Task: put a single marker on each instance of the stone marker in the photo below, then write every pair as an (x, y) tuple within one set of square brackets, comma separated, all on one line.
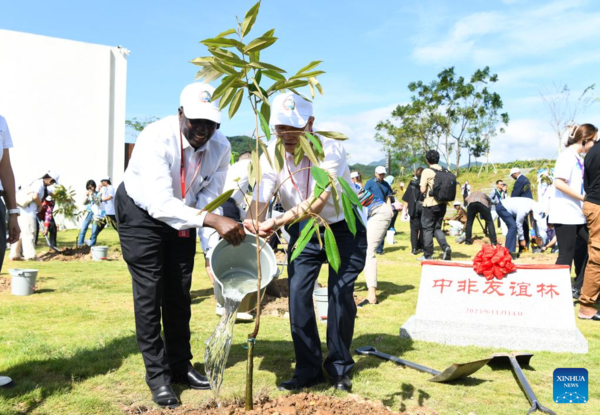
[(530, 309)]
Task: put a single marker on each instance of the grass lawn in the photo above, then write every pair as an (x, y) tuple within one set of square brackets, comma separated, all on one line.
[(71, 346)]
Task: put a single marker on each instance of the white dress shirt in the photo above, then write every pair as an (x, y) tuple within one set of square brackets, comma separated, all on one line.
[(237, 178), (152, 178), (108, 205), (37, 187), (291, 195), (519, 208), (5, 139)]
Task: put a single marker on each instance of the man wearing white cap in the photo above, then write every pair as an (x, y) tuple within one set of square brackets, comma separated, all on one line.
[(381, 189), (30, 201), (178, 166), (291, 115), (514, 212), (522, 186)]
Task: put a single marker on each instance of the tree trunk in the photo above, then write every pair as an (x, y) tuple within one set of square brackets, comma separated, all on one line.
[(458, 147)]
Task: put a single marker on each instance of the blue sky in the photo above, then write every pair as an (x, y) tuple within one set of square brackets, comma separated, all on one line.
[(371, 51)]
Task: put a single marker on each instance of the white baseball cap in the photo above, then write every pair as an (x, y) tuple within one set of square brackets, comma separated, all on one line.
[(514, 170), (380, 170), (54, 175), (196, 100), (105, 178), (354, 174), (290, 109), (457, 202)]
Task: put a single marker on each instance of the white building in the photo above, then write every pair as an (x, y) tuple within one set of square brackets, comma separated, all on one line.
[(64, 102)]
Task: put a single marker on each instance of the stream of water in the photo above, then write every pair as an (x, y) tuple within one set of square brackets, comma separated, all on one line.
[(236, 284)]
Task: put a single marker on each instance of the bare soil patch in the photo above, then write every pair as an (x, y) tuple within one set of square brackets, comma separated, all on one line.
[(4, 284), (74, 253), (298, 404)]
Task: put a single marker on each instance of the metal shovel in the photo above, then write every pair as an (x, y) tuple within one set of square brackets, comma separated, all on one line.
[(516, 360), (46, 237), (456, 371)]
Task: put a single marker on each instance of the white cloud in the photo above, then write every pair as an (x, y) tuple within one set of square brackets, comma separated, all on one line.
[(360, 129), (493, 38), (524, 139)]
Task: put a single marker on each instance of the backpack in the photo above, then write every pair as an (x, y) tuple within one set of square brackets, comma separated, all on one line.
[(444, 186)]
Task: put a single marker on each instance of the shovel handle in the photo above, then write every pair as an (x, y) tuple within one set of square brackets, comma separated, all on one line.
[(535, 404), (371, 351)]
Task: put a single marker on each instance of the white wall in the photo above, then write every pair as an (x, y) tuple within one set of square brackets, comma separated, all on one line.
[(64, 102)]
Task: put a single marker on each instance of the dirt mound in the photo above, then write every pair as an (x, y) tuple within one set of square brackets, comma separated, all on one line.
[(299, 404), (68, 254), (4, 284), (275, 302)]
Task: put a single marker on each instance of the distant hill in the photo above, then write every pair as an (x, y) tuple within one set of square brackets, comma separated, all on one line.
[(241, 143)]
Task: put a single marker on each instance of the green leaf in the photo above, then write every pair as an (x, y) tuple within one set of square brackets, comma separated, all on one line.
[(226, 33), (297, 83), (257, 90), (235, 103), (349, 214), (304, 238), (254, 56), (336, 199), (304, 143), (310, 66), (218, 201), (224, 69), (316, 142), (227, 82), (274, 75), (264, 126), (312, 90), (263, 146), (318, 192), (332, 134), (263, 65), (227, 97), (259, 43), (256, 162), (298, 155), (279, 155), (333, 255), (307, 75), (265, 110), (208, 74), (320, 176), (316, 83), (318, 232), (220, 42), (250, 19), (203, 61), (347, 190)]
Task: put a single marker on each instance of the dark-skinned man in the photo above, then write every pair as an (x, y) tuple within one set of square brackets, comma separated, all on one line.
[(291, 115), (178, 166)]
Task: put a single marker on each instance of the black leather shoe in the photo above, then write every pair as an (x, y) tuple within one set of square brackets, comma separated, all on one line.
[(165, 397), (193, 379), (342, 383), (295, 383), (576, 293), (414, 252), (595, 317)]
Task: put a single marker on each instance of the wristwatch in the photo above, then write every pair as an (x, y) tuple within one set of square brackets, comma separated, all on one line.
[(14, 212)]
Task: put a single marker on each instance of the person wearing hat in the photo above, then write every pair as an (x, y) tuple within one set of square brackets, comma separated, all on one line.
[(291, 116), (381, 189), (515, 211), (30, 201), (459, 220), (522, 186), (107, 195), (178, 166)]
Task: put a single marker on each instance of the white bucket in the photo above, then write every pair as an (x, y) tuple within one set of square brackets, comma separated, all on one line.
[(23, 281), (226, 259), (99, 253), (321, 297), (389, 237)]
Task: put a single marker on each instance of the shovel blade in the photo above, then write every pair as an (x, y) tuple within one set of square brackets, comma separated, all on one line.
[(459, 370), (503, 359)]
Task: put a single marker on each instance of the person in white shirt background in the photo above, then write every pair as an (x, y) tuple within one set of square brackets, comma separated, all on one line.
[(7, 191), (178, 166), (291, 115), (31, 200), (566, 205)]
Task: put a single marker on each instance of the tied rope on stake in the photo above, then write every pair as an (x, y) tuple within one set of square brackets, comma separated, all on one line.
[(493, 262)]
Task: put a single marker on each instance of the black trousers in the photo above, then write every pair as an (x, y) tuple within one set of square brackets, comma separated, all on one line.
[(431, 221), (302, 274), (3, 220), (416, 233), (486, 214), (161, 264), (568, 237)]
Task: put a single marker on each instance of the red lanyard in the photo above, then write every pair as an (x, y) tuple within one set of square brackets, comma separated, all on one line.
[(182, 171), (294, 182)]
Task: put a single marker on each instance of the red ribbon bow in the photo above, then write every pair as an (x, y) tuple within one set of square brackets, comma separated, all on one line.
[(493, 262)]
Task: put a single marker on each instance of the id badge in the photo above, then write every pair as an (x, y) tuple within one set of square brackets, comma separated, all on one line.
[(184, 233)]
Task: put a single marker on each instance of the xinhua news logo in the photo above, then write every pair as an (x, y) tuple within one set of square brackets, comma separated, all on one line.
[(571, 385)]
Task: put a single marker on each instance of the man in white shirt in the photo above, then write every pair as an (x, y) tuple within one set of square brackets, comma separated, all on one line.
[(178, 166), (31, 201), (291, 115), (514, 212), (107, 194)]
